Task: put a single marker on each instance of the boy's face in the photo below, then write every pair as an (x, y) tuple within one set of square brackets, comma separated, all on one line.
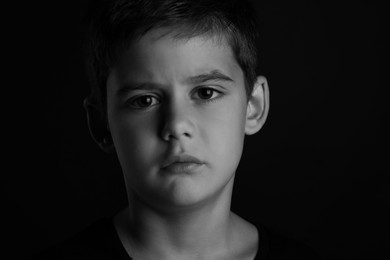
[(168, 99)]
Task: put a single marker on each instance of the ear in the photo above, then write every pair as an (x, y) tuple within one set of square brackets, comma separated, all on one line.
[(98, 126), (258, 106)]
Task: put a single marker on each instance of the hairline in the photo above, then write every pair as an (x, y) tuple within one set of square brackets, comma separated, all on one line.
[(178, 33)]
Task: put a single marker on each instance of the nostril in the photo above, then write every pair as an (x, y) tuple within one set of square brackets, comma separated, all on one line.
[(177, 124), (170, 132), (175, 136)]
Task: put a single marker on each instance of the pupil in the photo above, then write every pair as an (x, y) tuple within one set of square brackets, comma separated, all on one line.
[(145, 101), (206, 93)]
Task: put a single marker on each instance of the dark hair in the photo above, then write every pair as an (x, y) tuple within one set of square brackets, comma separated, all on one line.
[(114, 24)]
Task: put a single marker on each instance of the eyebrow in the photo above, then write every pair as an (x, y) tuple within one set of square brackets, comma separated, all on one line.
[(214, 75), (130, 87)]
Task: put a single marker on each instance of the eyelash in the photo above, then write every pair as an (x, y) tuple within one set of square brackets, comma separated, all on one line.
[(133, 100), (214, 91)]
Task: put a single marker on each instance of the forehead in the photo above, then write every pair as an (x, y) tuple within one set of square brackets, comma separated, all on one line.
[(161, 56)]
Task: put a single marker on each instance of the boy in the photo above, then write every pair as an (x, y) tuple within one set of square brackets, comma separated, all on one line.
[(174, 91)]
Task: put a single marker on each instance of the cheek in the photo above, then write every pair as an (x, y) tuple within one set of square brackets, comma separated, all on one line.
[(225, 130), (133, 140)]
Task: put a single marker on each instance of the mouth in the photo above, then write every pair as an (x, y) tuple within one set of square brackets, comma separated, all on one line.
[(182, 164)]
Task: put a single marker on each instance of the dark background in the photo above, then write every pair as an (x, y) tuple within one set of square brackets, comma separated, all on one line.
[(317, 171)]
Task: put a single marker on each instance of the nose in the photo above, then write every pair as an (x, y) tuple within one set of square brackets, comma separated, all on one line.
[(177, 121)]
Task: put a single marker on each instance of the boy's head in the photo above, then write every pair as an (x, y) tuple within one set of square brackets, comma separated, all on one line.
[(177, 86), (115, 24)]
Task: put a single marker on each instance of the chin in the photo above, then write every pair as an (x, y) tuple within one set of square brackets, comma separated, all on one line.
[(184, 192), (180, 192), (188, 196)]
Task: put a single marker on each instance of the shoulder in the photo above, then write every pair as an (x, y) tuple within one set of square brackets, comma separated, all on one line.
[(97, 241), (275, 246)]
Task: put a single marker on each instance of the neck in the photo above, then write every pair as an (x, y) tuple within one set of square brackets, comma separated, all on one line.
[(198, 230)]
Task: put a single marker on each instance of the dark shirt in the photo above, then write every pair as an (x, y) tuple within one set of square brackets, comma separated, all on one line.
[(101, 241)]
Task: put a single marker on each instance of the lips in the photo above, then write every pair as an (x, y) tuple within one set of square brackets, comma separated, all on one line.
[(182, 164)]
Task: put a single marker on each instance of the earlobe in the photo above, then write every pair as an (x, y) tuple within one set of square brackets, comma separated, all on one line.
[(98, 126), (258, 106)]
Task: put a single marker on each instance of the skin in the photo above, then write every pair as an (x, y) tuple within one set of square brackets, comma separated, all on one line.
[(168, 97)]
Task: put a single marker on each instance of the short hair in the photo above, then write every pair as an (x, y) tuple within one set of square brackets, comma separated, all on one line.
[(114, 24)]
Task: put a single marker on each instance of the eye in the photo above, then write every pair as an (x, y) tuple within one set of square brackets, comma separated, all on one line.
[(144, 101), (207, 93)]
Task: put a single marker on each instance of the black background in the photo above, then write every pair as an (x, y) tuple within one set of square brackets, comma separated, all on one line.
[(317, 170)]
